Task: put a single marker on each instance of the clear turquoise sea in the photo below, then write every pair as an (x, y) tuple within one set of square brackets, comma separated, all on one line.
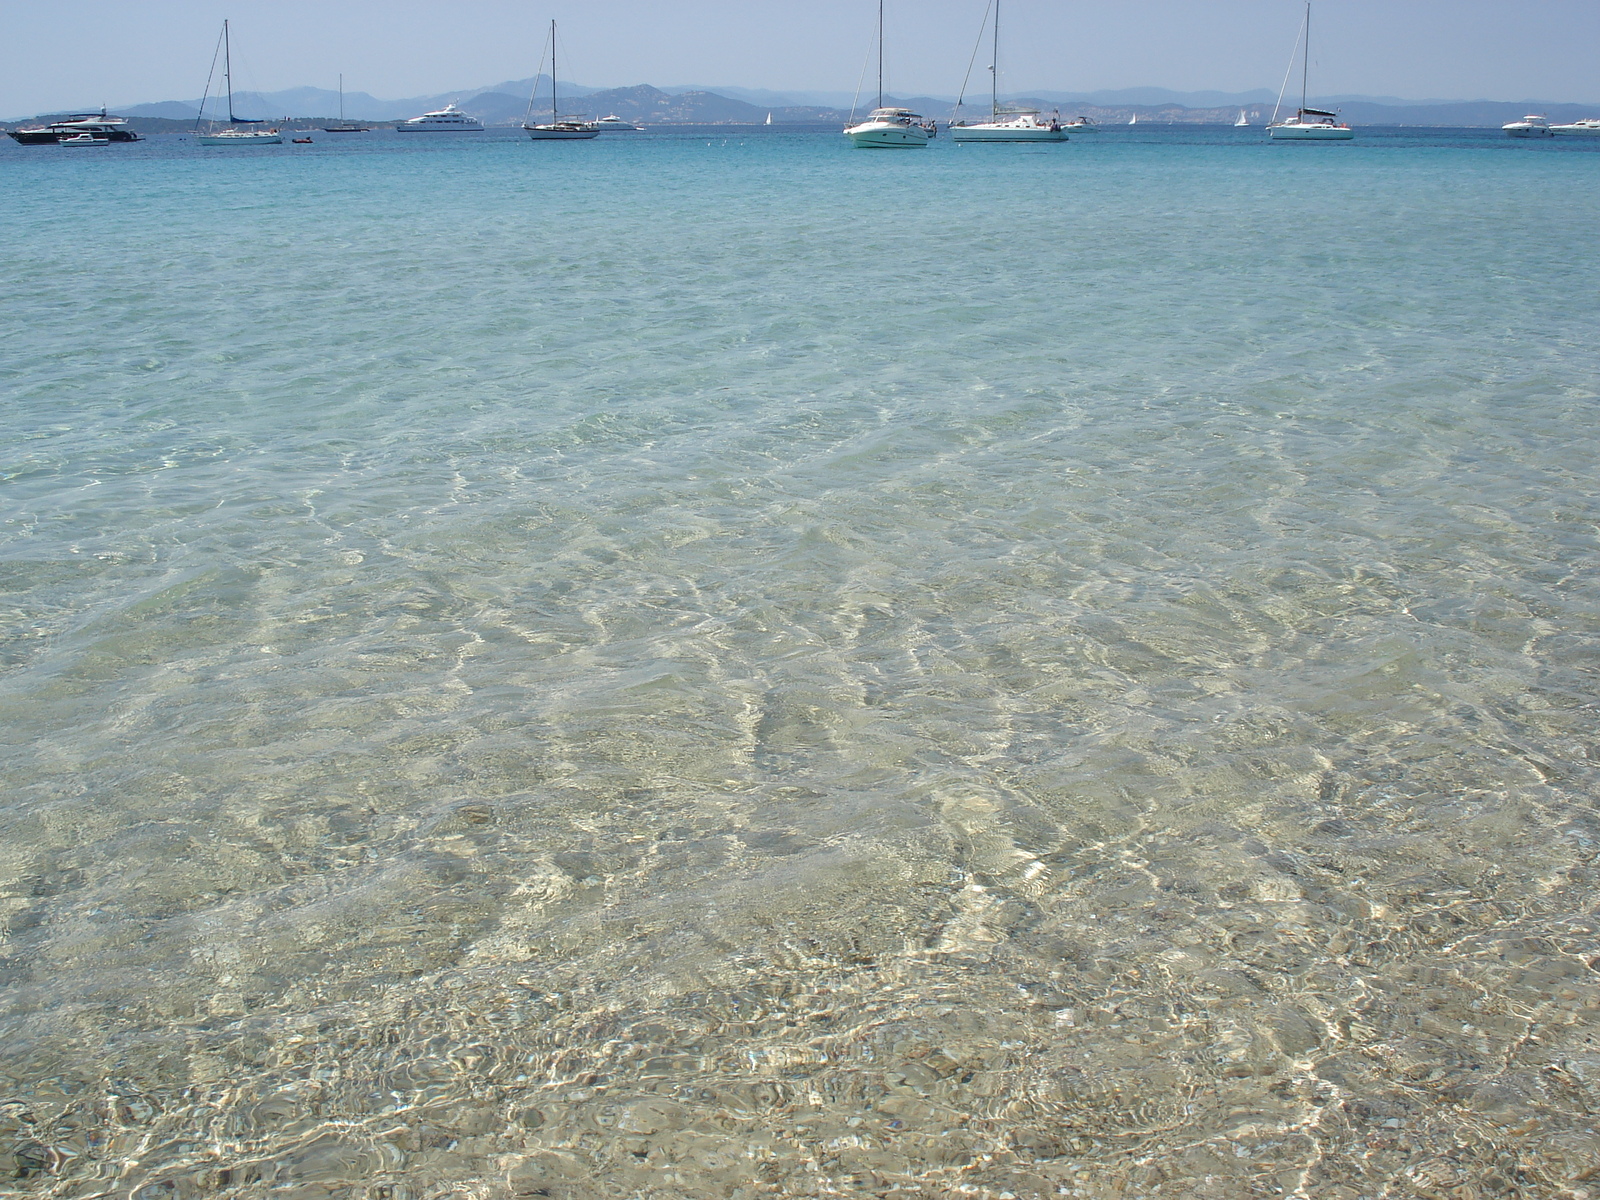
[(713, 664)]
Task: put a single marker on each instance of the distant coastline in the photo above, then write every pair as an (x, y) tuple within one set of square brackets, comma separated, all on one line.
[(507, 104)]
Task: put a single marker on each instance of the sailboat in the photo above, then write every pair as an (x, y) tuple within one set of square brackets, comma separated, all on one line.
[(1133, 120), (769, 118), (1308, 124), (1242, 121), (887, 128), (1013, 125), (557, 130), (232, 136), (342, 127)]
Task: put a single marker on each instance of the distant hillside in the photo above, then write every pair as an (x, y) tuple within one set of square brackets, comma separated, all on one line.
[(506, 103), (646, 105), (358, 106)]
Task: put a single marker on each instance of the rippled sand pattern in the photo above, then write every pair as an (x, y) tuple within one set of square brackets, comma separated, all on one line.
[(737, 669)]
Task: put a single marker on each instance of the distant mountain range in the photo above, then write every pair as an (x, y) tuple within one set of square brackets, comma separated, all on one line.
[(506, 104)]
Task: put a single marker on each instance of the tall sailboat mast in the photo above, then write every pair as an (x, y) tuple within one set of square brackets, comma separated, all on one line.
[(341, 98), (880, 53), (227, 68), (553, 117), (1305, 61), (994, 68)]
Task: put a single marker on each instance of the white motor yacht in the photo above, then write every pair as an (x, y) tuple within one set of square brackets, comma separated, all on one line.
[(448, 119), (1588, 127), (112, 129), (84, 139), (1082, 125), (1533, 125), (1307, 124), (615, 124), (889, 128), (1003, 125), (1011, 127)]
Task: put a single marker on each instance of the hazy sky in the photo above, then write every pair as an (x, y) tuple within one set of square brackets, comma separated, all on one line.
[(121, 52)]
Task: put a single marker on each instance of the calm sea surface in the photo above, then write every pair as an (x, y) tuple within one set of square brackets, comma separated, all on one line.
[(719, 665)]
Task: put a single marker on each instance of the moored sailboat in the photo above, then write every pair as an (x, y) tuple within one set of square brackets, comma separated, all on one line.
[(557, 130), (1307, 124), (343, 126), (233, 135), (1012, 125)]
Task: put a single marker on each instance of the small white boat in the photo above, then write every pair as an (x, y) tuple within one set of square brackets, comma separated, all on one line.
[(888, 128), (448, 119), (1242, 121), (1307, 124), (1588, 127), (84, 139), (233, 135), (1082, 125), (557, 130), (1533, 125), (615, 124), (1011, 127), (1133, 120), (1311, 125)]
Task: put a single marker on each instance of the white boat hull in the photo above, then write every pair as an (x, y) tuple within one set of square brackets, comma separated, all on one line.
[(240, 139), (1310, 133), (1580, 129), (1004, 133), (560, 135), (877, 135)]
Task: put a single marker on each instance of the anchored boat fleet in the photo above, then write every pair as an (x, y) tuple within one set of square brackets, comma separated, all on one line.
[(884, 127)]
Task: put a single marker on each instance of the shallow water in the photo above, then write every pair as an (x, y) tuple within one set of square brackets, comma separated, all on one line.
[(719, 665)]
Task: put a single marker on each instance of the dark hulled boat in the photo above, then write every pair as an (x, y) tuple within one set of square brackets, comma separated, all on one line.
[(113, 129), (343, 126)]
